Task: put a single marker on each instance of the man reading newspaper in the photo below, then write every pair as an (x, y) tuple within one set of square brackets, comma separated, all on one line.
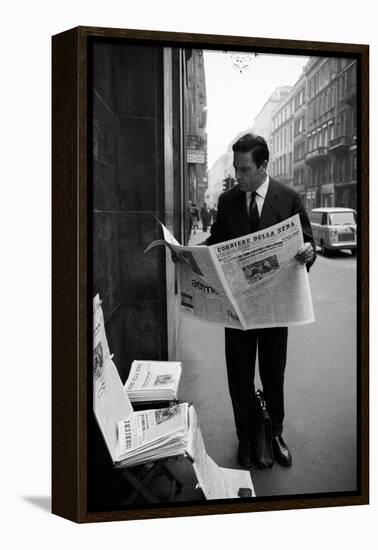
[(255, 203)]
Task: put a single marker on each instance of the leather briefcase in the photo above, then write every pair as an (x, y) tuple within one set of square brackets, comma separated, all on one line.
[(263, 440)]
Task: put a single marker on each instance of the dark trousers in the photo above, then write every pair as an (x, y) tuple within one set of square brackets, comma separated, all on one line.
[(240, 359)]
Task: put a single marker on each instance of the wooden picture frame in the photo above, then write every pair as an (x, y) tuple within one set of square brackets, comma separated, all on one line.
[(72, 264)]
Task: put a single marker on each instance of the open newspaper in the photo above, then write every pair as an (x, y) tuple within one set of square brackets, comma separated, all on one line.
[(136, 437), (215, 482), (253, 281), (153, 381)]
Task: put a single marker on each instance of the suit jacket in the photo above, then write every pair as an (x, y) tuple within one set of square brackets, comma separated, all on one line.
[(281, 202)]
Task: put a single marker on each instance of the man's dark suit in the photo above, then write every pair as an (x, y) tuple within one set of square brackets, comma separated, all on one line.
[(280, 203)]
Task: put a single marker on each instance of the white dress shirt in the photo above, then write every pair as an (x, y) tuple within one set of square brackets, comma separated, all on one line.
[(260, 195)]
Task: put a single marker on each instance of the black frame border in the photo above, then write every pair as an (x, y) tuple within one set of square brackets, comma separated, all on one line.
[(71, 290)]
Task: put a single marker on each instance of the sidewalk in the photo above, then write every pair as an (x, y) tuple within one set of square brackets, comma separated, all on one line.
[(322, 441), (204, 381)]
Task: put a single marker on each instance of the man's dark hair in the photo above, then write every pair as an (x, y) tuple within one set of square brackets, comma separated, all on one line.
[(254, 144)]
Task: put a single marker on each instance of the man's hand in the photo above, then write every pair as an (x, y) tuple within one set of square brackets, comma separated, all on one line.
[(305, 254)]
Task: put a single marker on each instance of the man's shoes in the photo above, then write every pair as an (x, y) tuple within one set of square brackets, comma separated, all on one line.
[(245, 455), (281, 453)]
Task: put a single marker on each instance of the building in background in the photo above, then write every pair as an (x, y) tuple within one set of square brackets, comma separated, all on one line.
[(195, 126), (331, 132), (281, 159), (263, 120), (313, 138), (311, 130), (299, 167), (320, 130), (343, 146), (223, 169)]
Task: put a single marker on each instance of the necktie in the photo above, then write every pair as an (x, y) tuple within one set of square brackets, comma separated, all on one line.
[(253, 214)]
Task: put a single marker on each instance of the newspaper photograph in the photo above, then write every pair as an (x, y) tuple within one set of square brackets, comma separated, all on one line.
[(101, 352), (249, 282)]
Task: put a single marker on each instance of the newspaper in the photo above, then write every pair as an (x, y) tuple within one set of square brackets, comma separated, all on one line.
[(153, 434), (153, 380), (215, 482), (159, 433), (109, 402), (253, 281), (136, 437), (101, 352)]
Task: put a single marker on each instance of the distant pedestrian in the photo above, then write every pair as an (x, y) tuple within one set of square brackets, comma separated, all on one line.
[(195, 217), (189, 219), (205, 216)]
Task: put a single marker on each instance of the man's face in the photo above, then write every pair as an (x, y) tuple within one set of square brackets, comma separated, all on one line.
[(248, 176)]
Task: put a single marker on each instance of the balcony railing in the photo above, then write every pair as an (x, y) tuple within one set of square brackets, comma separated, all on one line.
[(317, 154), (339, 143)]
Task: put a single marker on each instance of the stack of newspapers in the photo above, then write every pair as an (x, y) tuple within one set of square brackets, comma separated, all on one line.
[(136, 437), (153, 381), (153, 434)]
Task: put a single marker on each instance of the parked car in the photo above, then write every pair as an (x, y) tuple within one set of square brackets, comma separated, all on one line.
[(334, 229)]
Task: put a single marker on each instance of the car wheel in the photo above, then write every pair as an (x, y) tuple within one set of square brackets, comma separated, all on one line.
[(324, 250)]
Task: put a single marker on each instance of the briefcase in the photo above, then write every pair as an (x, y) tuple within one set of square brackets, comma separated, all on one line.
[(262, 435)]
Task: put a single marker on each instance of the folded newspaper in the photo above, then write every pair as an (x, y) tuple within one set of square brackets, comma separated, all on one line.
[(153, 434), (153, 381), (136, 437), (253, 281)]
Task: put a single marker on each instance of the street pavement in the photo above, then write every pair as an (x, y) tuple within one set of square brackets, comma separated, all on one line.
[(320, 389)]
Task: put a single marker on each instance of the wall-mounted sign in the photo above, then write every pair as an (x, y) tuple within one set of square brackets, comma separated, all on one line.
[(195, 156), (195, 153)]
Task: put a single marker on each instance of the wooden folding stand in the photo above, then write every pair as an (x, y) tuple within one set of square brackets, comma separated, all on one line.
[(111, 405), (140, 477)]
